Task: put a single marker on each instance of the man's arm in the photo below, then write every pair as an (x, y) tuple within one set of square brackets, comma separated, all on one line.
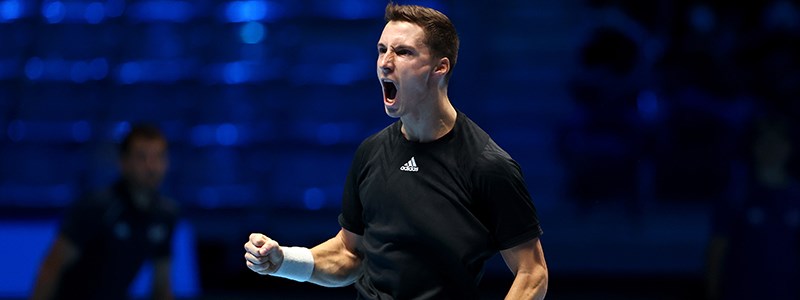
[(527, 263), (162, 285), (337, 261), (62, 254)]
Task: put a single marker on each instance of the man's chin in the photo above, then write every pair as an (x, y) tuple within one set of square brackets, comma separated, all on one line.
[(146, 185), (392, 112)]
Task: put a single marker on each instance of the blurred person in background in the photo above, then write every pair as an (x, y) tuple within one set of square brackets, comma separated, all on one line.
[(754, 251), (106, 237), (428, 199)]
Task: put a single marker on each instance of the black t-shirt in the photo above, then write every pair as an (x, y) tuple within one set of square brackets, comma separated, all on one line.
[(114, 239), (432, 213)]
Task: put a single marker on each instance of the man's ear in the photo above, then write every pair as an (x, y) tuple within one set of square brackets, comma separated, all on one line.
[(442, 66)]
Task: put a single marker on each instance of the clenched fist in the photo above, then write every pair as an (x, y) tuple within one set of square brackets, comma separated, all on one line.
[(263, 255)]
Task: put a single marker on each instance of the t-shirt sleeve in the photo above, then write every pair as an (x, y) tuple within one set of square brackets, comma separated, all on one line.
[(352, 209), (507, 210), (82, 221)]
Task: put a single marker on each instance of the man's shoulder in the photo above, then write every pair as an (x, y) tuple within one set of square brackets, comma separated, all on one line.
[(97, 199), (90, 212), (478, 140), (487, 153), (379, 137)]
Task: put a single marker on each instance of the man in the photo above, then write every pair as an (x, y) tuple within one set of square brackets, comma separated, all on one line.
[(105, 238), (428, 199)]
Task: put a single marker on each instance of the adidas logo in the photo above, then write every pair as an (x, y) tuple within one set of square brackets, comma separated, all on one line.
[(410, 166)]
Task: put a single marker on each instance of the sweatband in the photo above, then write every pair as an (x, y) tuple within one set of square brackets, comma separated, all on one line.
[(298, 264)]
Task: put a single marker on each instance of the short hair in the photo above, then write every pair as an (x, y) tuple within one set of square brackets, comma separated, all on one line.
[(143, 131), (440, 34)]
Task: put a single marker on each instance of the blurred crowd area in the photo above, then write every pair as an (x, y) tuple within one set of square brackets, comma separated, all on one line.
[(632, 120), (667, 90)]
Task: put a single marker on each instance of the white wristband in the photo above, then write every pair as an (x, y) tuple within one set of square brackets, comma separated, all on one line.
[(298, 264)]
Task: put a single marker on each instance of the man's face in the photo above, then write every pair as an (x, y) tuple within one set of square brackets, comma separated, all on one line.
[(405, 66), (146, 163)]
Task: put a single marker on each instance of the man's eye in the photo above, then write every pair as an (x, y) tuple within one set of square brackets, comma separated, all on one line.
[(403, 52), (381, 50)]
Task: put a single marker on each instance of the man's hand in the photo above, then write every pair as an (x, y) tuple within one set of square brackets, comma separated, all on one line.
[(263, 255)]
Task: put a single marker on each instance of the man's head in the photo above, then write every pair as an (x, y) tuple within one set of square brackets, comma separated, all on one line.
[(439, 33), (416, 54), (143, 157)]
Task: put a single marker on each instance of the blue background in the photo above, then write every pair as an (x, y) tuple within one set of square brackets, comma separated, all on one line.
[(622, 115)]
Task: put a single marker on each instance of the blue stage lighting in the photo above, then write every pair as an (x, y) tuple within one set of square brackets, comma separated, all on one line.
[(34, 68), (114, 8), (344, 74), (235, 72), (202, 135), (95, 13), (313, 198), (246, 11), (81, 131), (54, 12), (98, 68), (10, 10), (79, 72), (16, 130), (120, 130), (8, 68), (170, 11), (227, 134), (130, 72), (647, 103), (252, 32), (329, 134)]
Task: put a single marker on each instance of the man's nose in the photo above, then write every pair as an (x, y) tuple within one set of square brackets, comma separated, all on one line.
[(152, 163), (386, 63)]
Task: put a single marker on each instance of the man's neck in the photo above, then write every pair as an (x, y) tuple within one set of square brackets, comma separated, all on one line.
[(430, 123), (141, 197)]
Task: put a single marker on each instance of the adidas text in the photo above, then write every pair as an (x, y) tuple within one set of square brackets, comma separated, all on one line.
[(410, 166)]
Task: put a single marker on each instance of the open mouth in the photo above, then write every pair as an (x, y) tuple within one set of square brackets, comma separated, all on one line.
[(389, 89)]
